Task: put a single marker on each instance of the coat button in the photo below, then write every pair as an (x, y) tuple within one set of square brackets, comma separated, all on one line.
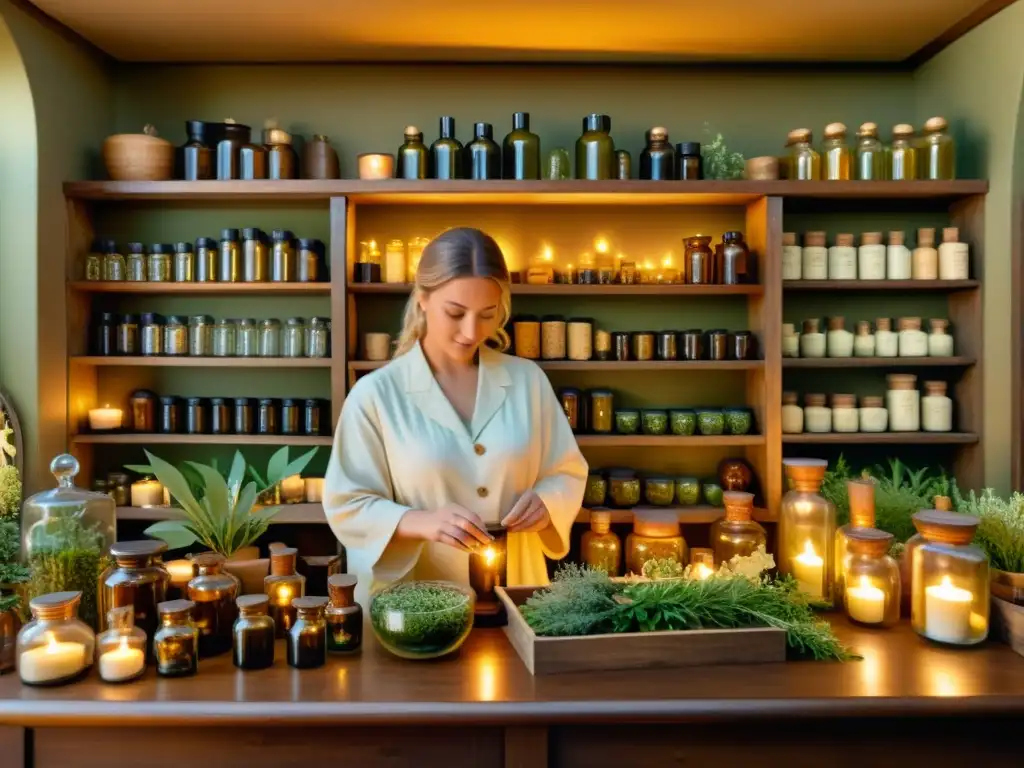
[(479, 449), (481, 492)]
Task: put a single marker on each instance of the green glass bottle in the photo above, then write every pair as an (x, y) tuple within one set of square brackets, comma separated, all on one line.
[(412, 156), (870, 161), (937, 151), (483, 155), (520, 154), (444, 161), (595, 150)]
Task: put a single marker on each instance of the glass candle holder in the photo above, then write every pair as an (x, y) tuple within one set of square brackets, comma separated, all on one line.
[(214, 593), (282, 586), (736, 534), (344, 616), (872, 594), (601, 548), (807, 528), (138, 580), (950, 580), (368, 264), (147, 493), (702, 563), (376, 165), (176, 642), (55, 647), (121, 650), (487, 571), (253, 633), (862, 515), (656, 535), (307, 637)]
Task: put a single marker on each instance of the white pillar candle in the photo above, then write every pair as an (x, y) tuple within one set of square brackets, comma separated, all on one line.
[(374, 165), (121, 663), (51, 662), (147, 493), (314, 487), (808, 569), (292, 489), (104, 419), (947, 612), (865, 603)]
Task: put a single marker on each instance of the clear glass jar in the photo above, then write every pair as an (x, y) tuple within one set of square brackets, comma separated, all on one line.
[(656, 535), (128, 335), (65, 533), (872, 588), (552, 337), (871, 257), (229, 257), (903, 402), (55, 647), (870, 160), (913, 342), (817, 415), (950, 580), (601, 548), (842, 259), (804, 162), (940, 343), (790, 341), (835, 154), (306, 641), (121, 650), (176, 642), (844, 413), (224, 338), (282, 586), (415, 253), (839, 340), (175, 336), (293, 338), (136, 263), (317, 337), (136, 579), (736, 534), (792, 257), (253, 634), (343, 614), (114, 268), (936, 408), (184, 263), (812, 340), (792, 414), (270, 338), (861, 494), (886, 340), (938, 152), (602, 405), (158, 263), (903, 154), (93, 267), (807, 528), (247, 341), (925, 259), (255, 258), (214, 593), (873, 417), (282, 258), (200, 336), (864, 340), (897, 258), (151, 334), (954, 256), (395, 267)]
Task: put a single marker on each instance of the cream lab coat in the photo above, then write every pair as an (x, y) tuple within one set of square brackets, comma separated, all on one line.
[(400, 445)]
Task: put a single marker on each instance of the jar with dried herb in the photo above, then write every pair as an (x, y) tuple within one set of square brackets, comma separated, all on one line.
[(601, 547), (344, 616), (736, 534), (656, 535), (214, 593)]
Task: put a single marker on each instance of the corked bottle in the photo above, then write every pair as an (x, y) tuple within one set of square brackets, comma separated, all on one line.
[(925, 259), (886, 340), (902, 154), (253, 633), (873, 417), (936, 408), (864, 340), (870, 154), (844, 413), (812, 340), (790, 341), (307, 638), (903, 402), (792, 414), (940, 343), (214, 593), (913, 341), (282, 586), (871, 257), (136, 580), (792, 257), (842, 259), (804, 164), (817, 415), (815, 256), (736, 534), (282, 162), (897, 258), (954, 258), (343, 614), (835, 154), (320, 161), (840, 340)]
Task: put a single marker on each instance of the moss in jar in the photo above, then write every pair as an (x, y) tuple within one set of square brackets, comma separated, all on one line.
[(596, 491), (655, 422), (627, 422), (659, 491), (687, 491), (712, 493), (683, 423), (422, 619), (738, 421), (710, 422), (624, 490), (67, 557)]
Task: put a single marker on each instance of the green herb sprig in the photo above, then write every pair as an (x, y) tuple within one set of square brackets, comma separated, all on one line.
[(1000, 529), (421, 616)]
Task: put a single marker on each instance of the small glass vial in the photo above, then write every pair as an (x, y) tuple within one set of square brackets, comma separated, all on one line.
[(600, 547), (121, 650), (940, 343), (736, 534), (152, 334), (290, 419), (197, 420), (835, 154), (864, 340), (224, 341), (253, 634), (220, 417), (306, 641), (936, 408), (309, 255), (807, 528), (842, 259), (293, 338), (817, 415), (804, 162), (311, 418), (158, 263), (886, 340), (136, 263), (270, 338), (214, 593), (368, 264), (903, 154), (176, 642), (937, 151), (844, 413), (268, 417), (656, 535), (897, 258), (395, 268), (871, 594), (792, 414), (873, 415), (172, 421), (925, 259), (903, 402), (792, 257), (93, 270), (790, 341), (281, 587), (245, 416), (344, 616), (954, 257), (870, 159), (839, 341), (247, 338), (55, 647), (871, 257), (949, 578), (207, 255), (814, 257), (812, 340), (114, 269), (913, 342), (200, 336), (184, 263), (229, 258), (317, 337), (128, 335), (175, 336)]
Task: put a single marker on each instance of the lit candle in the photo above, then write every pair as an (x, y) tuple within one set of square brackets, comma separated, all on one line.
[(865, 602), (283, 596), (485, 572), (292, 490), (947, 612), (314, 488), (122, 663), (147, 493), (180, 572), (376, 165), (808, 569), (702, 563), (104, 419), (51, 662)]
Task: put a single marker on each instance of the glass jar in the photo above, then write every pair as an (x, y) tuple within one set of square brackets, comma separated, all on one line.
[(872, 416), (792, 414), (897, 258), (224, 338), (718, 344), (105, 334), (267, 418), (839, 341), (229, 258), (658, 157), (815, 256), (344, 616), (936, 408), (861, 494), (903, 402), (691, 164), (121, 650), (844, 413), (903, 154), (220, 418), (521, 153), (176, 642), (411, 160), (940, 343), (666, 347), (620, 345), (623, 164), (310, 256), (913, 342), (290, 416), (142, 411), (572, 402), (311, 418), (306, 641), (214, 593), (281, 587), (596, 492), (864, 340), (136, 579), (114, 269), (270, 338), (835, 154), (136, 263), (255, 259), (643, 345), (245, 417), (283, 262), (117, 487), (623, 488), (172, 420), (128, 335), (158, 263), (293, 338), (659, 491), (317, 337), (954, 256), (871, 257), (602, 406), (938, 152), (842, 259), (600, 548), (557, 164), (526, 331), (736, 534), (950, 580), (65, 533), (812, 340), (184, 263), (152, 334), (872, 592), (656, 535), (196, 417), (207, 255), (395, 269), (247, 338), (804, 163), (886, 340), (552, 337), (807, 527), (817, 415), (595, 150), (200, 336), (415, 253), (736, 260), (698, 259), (580, 332), (925, 258), (55, 647), (871, 159), (792, 257), (253, 634)]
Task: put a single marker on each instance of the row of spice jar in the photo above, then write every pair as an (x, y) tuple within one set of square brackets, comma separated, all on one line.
[(151, 334), (909, 157), (594, 411), (908, 341), (622, 487), (241, 256), (903, 409), (874, 261)]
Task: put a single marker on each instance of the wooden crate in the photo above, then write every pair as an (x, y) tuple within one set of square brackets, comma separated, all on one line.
[(635, 650), (1008, 623)]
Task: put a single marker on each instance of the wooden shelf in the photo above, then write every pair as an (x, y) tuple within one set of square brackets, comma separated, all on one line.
[(699, 514), (613, 366), (882, 438), (206, 289), (120, 438), (290, 513), (667, 441), (877, 362), (880, 285), (522, 289), (140, 361)]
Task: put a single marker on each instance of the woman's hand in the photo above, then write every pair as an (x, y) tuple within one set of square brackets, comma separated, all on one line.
[(529, 514), (451, 524)]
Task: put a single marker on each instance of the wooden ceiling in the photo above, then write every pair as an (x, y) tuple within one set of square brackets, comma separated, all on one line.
[(520, 31)]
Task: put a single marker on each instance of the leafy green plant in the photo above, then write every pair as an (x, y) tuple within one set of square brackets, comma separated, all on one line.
[(421, 617), (222, 518), (66, 556), (12, 572), (10, 492), (1000, 529), (719, 161)]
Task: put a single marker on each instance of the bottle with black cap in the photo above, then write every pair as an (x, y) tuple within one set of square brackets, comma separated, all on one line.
[(595, 149), (483, 155), (444, 161), (691, 164), (521, 150)]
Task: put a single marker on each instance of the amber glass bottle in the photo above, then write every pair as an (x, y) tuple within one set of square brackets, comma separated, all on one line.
[(520, 154), (658, 158), (601, 548), (444, 161)]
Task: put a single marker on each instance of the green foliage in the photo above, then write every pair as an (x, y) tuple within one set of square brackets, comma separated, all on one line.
[(1001, 528), (10, 492), (719, 161), (66, 556), (11, 571), (662, 568)]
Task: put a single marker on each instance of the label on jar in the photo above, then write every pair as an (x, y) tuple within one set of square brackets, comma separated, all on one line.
[(940, 345), (815, 262), (871, 262), (897, 263), (936, 413), (886, 344), (953, 261), (904, 406), (874, 419), (913, 344), (792, 260), (842, 262)]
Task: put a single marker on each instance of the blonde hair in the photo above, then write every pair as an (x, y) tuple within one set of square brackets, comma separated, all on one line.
[(459, 252)]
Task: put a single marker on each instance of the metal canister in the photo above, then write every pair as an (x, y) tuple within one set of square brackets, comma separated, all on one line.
[(309, 257), (255, 259), (667, 348), (620, 345), (245, 419), (184, 263), (289, 416), (267, 422), (128, 335), (158, 263), (176, 335), (220, 418), (200, 336), (282, 261), (206, 260), (311, 417), (229, 261), (152, 334), (196, 421)]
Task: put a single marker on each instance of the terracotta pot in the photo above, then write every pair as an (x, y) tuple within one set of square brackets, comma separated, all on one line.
[(1008, 586), (250, 573), (9, 626), (138, 156)]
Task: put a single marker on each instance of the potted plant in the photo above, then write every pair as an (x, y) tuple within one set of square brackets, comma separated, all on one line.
[(1001, 535), (12, 573)]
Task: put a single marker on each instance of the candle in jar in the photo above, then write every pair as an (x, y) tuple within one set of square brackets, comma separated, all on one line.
[(180, 571), (808, 569), (51, 662), (865, 602), (104, 419), (947, 612), (122, 663), (292, 489), (314, 488), (283, 596), (374, 165), (147, 493)]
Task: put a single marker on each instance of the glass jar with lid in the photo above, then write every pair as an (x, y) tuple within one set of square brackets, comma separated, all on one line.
[(268, 417), (172, 419), (602, 405), (872, 415), (158, 263), (255, 257), (658, 157), (936, 408), (835, 154), (224, 338), (807, 529), (282, 586), (293, 337), (65, 533), (368, 263), (229, 257), (282, 257), (200, 336), (886, 340), (317, 337), (844, 413), (310, 256), (903, 154), (114, 268), (206, 260), (343, 614), (253, 634), (247, 338), (872, 588), (938, 152), (55, 647), (736, 534), (306, 641), (903, 402), (601, 548), (804, 162), (136, 263), (698, 259), (870, 162), (151, 334), (175, 342), (93, 268), (861, 494), (184, 263), (812, 340), (552, 337), (136, 579), (270, 338), (656, 535), (214, 593), (121, 650), (940, 343), (176, 642), (950, 580)]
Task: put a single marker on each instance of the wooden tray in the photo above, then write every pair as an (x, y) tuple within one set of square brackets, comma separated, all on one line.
[(1008, 623), (635, 650)]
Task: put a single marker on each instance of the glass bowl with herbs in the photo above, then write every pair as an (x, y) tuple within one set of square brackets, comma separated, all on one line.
[(422, 619)]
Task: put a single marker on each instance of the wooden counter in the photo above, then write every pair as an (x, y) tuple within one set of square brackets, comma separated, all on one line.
[(482, 708)]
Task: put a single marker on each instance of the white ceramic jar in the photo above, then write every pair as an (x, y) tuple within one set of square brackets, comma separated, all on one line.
[(954, 256), (790, 341), (792, 414), (897, 258), (925, 259), (792, 257), (844, 413), (873, 415), (863, 340), (903, 402), (936, 408), (887, 341), (812, 340), (814, 257), (817, 415), (871, 257), (913, 341), (842, 259), (940, 343), (840, 341)]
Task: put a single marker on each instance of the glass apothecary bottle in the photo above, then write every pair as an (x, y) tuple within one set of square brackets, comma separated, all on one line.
[(842, 259), (194, 160), (200, 336), (940, 343), (698, 260), (600, 547), (936, 408), (253, 634), (65, 531), (415, 253), (658, 158), (839, 341), (317, 337), (790, 341), (247, 340), (872, 590), (306, 641), (483, 155), (886, 340), (807, 528), (938, 152), (284, 266), (412, 155), (736, 264), (521, 151), (55, 647), (903, 402), (864, 340), (114, 269), (214, 593), (135, 264), (656, 535), (93, 263), (736, 534), (835, 154), (229, 257), (309, 256), (812, 340), (792, 414), (897, 258), (804, 161), (159, 263), (176, 643), (137, 579), (444, 160), (206, 260), (282, 160), (595, 149), (122, 649), (255, 256), (270, 338), (870, 162), (903, 154), (184, 263), (872, 416), (368, 264), (862, 515), (792, 257), (293, 337), (814, 257), (913, 342), (395, 269), (282, 586), (344, 616), (224, 338), (623, 165), (950, 580)]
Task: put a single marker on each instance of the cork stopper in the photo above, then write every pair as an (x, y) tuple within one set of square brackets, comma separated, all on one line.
[(600, 520), (935, 388), (207, 563), (655, 523), (845, 240), (790, 398), (926, 237), (788, 329), (815, 400), (943, 503), (252, 605), (938, 325), (703, 556), (951, 234), (945, 527), (903, 131), (835, 131), (812, 326), (136, 552), (175, 609), (883, 323), (909, 323), (814, 239), (871, 238), (658, 133), (836, 323), (844, 401), (309, 605), (412, 131), (935, 125), (862, 502), (789, 238), (868, 541), (798, 135), (901, 381), (55, 605), (897, 238), (805, 474), (341, 589), (872, 401), (282, 561), (868, 130), (863, 327), (739, 506)]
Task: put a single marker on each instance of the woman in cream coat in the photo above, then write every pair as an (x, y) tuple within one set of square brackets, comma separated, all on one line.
[(452, 436)]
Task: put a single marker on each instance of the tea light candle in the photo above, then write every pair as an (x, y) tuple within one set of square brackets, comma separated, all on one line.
[(51, 662), (293, 490), (122, 663), (147, 493), (484, 571), (104, 419), (808, 569), (865, 602), (947, 612), (375, 165), (702, 562), (314, 487)]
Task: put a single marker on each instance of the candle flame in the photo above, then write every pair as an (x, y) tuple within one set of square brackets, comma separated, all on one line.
[(667, 261), (51, 642), (809, 549), (601, 245), (702, 572), (548, 253), (124, 643), (490, 554), (864, 582)]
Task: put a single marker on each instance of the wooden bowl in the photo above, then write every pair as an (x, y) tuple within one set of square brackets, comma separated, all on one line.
[(138, 157)]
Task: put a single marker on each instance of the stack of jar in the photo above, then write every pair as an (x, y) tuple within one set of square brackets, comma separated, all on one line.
[(170, 414), (874, 261), (930, 156), (246, 256), (908, 341), (903, 409), (151, 334)]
